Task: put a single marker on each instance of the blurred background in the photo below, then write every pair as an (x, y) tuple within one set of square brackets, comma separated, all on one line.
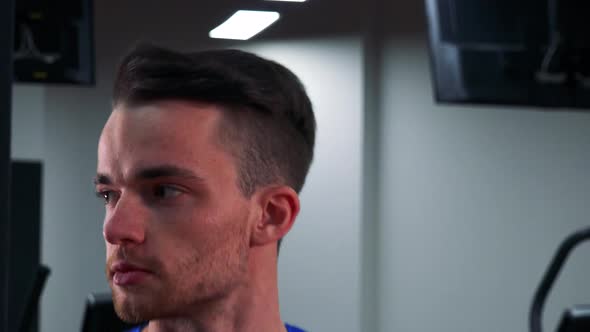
[(416, 216)]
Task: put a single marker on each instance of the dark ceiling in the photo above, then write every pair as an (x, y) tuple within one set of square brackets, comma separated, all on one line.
[(298, 20)]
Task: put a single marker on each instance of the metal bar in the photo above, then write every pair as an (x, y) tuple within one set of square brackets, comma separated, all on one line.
[(6, 77), (563, 252)]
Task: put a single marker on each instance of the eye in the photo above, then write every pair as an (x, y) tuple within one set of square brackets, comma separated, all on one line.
[(166, 192), (107, 195)]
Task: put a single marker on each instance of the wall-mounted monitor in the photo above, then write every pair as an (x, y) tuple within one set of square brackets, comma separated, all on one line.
[(54, 41), (525, 52)]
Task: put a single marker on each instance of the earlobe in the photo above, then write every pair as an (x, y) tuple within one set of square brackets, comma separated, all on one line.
[(280, 206)]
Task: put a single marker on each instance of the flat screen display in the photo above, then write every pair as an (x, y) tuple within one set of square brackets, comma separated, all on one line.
[(54, 41), (524, 52)]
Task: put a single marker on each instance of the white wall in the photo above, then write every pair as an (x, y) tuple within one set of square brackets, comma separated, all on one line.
[(72, 244), (473, 202), (319, 266), (28, 126)]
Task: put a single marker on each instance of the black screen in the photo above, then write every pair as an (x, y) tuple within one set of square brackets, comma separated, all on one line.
[(525, 52), (54, 41), (24, 239)]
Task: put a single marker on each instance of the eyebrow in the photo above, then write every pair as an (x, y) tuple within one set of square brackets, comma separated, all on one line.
[(102, 179), (154, 173)]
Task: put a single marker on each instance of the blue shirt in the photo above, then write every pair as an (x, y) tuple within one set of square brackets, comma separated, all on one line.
[(290, 328)]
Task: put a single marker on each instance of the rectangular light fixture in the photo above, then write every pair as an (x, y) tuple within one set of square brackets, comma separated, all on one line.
[(244, 24), (288, 0)]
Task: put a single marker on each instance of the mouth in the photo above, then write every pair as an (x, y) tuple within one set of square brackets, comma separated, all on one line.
[(126, 274)]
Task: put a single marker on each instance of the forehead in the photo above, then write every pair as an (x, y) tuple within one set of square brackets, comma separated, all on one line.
[(166, 117), (178, 133)]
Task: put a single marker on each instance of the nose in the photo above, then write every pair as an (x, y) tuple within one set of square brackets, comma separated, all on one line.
[(125, 223)]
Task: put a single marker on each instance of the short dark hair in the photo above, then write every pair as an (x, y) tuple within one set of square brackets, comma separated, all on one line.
[(268, 123)]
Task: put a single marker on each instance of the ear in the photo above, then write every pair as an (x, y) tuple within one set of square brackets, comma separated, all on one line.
[(279, 207)]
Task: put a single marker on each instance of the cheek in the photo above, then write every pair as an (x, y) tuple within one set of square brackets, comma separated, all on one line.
[(181, 230), (200, 230), (110, 249), (203, 234)]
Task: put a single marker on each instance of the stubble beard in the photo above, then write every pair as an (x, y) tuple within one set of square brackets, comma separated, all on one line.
[(196, 283), (131, 309)]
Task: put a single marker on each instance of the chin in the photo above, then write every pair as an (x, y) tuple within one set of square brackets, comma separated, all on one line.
[(134, 308)]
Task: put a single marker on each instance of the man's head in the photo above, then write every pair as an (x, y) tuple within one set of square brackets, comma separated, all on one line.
[(268, 124), (200, 161)]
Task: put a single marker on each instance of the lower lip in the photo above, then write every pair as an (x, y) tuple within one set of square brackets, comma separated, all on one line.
[(129, 278)]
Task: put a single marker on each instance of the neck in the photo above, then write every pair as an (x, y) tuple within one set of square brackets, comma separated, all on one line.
[(252, 307)]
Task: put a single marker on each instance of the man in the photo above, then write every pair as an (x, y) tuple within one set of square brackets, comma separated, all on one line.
[(200, 165)]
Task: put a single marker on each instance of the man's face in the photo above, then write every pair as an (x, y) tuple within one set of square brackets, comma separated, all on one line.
[(176, 225)]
